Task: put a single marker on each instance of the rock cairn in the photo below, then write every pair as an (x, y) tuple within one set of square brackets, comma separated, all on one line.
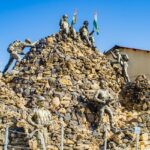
[(66, 75), (137, 94), (12, 106), (135, 101)]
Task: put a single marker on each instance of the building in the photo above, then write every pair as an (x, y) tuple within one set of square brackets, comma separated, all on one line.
[(139, 60)]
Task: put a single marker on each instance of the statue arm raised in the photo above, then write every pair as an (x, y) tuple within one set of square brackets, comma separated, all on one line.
[(114, 56), (91, 32)]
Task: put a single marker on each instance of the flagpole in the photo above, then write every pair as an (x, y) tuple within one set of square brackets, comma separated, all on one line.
[(74, 19)]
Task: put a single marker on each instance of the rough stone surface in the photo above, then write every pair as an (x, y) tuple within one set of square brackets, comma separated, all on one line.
[(66, 75), (136, 95)]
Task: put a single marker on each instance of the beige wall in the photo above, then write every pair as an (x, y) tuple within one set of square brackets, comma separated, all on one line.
[(139, 62)]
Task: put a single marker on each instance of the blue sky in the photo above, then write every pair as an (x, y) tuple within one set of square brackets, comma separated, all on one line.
[(122, 22)]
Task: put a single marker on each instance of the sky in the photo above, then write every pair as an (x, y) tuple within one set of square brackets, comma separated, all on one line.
[(121, 22)]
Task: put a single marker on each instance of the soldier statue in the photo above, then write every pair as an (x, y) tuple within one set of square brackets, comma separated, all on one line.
[(103, 98), (64, 26), (85, 35), (65, 29), (40, 118), (117, 56), (124, 66), (122, 60), (16, 49)]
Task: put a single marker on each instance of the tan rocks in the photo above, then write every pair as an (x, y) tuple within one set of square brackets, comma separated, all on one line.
[(65, 103), (62, 110), (65, 81), (56, 102), (144, 137), (66, 75), (33, 144), (137, 94)]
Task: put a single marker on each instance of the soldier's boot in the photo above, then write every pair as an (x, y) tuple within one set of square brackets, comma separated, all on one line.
[(8, 64)]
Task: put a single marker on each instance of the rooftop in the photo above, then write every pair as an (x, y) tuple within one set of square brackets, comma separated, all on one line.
[(127, 48)]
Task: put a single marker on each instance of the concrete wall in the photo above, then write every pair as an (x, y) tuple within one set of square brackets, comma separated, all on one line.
[(139, 62)]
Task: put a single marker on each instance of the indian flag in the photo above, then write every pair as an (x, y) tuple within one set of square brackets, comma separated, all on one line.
[(74, 19), (96, 28)]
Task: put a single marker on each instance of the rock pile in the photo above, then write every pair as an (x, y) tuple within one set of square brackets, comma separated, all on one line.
[(66, 76), (12, 106), (137, 94), (136, 102)]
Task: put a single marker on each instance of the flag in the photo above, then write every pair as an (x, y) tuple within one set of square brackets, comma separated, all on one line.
[(96, 28), (74, 19)]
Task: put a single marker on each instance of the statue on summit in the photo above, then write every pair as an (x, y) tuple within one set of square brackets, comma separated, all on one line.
[(65, 29), (16, 49), (85, 35), (64, 26)]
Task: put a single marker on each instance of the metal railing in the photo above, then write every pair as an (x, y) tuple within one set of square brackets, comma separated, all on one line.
[(7, 144), (134, 130)]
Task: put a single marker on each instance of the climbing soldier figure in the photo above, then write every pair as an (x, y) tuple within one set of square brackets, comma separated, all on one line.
[(117, 56), (124, 66), (122, 60), (16, 49)]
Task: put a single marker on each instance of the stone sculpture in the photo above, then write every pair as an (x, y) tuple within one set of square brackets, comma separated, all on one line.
[(16, 49), (124, 66), (85, 35), (40, 118), (122, 60), (103, 98), (117, 56), (64, 26)]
